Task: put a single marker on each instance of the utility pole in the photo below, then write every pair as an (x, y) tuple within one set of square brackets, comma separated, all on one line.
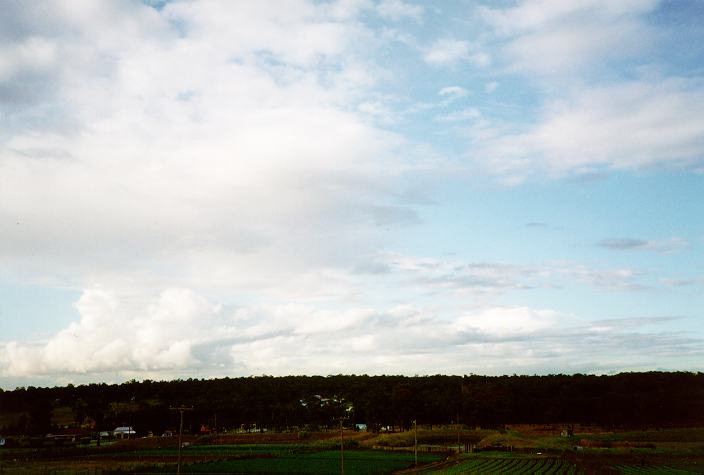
[(342, 448), (458, 432), (415, 441), (130, 429), (181, 410)]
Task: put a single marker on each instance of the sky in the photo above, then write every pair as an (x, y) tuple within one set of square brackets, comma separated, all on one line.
[(207, 189)]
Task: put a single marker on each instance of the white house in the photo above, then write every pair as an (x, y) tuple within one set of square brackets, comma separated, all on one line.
[(123, 432)]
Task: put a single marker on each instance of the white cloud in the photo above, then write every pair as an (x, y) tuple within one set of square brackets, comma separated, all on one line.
[(592, 120), (428, 274), (470, 113), (503, 321), (453, 92), (626, 126), (541, 14), (614, 280), (447, 52), (553, 37), (483, 280), (570, 50), (379, 110), (296, 32), (162, 160), (665, 246), (670, 282), (35, 55), (116, 333), (491, 87), (398, 9), (178, 333)]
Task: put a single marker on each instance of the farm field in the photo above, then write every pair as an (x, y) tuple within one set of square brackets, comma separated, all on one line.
[(246, 458), (356, 462), (521, 464), (511, 464), (515, 450), (656, 469)]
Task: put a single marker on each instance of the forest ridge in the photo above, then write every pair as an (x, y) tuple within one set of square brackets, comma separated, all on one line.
[(650, 399)]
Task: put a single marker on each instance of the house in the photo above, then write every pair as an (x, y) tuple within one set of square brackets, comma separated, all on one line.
[(124, 432)]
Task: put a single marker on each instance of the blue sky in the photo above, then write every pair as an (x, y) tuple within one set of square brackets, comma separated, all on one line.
[(201, 189)]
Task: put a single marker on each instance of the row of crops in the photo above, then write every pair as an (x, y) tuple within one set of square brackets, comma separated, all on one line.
[(548, 465), (522, 465), (648, 469)]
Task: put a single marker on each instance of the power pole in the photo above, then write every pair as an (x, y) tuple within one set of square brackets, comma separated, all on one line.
[(181, 410), (458, 432), (130, 429), (415, 441), (342, 448)]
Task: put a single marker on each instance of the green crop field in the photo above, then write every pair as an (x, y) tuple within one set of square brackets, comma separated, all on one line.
[(657, 469), (517, 465), (328, 461)]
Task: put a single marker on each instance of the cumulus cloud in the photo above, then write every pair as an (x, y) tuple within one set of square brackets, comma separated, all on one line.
[(116, 333), (178, 331)]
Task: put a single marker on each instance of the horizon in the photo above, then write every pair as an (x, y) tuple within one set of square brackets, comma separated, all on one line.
[(217, 189)]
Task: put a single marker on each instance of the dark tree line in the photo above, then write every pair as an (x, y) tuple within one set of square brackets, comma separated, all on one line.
[(653, 399)]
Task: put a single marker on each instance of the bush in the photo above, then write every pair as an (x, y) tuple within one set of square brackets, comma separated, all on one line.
[(404, 439)]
